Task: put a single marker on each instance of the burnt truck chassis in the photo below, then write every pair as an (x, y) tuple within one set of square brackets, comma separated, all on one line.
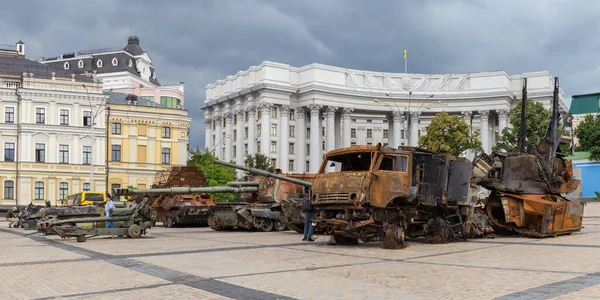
[(422, 194)]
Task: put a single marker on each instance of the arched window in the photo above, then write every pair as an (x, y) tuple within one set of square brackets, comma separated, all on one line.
[(99, 63), (9, 189), (115, 62), (39, 190), (66, 65), (80, 64), (130, 64)]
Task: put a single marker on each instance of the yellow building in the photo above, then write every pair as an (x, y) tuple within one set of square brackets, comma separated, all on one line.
[(46, 131), (144, 137)]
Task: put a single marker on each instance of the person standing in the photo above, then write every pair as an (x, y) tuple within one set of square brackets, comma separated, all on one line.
[(108, 211), (309, 215), (11, 217)]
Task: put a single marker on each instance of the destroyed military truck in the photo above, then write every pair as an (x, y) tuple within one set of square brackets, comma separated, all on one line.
[(276, 205), (373, 193), (179, 209), (527, 189)]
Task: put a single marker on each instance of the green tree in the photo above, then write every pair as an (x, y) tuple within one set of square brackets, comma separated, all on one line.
[(538, 120), (449, 134), (257, 161), (216, 175), (588, 134)]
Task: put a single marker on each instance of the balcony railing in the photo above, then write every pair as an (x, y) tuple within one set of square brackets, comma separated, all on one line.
[(9, 84)]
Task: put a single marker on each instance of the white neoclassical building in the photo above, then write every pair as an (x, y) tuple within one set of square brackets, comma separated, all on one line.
[(294, 115)]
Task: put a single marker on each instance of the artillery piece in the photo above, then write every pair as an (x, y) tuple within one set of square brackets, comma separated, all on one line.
[(276, 205), (132, 222)]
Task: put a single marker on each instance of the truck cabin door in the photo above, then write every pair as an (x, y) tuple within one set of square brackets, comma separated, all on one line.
[(391, 179)]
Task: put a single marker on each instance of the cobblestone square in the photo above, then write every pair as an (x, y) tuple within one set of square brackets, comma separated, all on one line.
[(199, 263)]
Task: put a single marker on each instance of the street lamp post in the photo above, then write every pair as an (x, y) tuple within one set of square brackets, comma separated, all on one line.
[(93, 121)]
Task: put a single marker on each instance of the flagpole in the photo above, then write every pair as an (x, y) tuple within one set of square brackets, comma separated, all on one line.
[(405, 60)]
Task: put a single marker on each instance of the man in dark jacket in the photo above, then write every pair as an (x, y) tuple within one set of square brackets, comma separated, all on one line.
[(309, 215)]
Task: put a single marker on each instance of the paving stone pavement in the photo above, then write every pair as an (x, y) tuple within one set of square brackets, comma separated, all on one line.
[(198, 263)]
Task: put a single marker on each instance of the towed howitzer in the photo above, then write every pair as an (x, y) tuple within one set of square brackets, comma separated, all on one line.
[(132, 222), (277, 201)]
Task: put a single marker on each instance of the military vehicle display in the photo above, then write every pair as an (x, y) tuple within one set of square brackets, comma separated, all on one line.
[(527, 188), (275, 206), (373, 193), (180, 209), (30, 215), (132, 222)]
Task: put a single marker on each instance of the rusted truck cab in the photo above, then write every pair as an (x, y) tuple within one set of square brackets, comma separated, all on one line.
[(370, 193)]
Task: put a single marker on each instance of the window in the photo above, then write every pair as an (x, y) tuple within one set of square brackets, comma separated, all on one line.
[(274, 112), (258, 147), (259, 113), (149, 98), (9, 189), (113, 187), (353, 132), (273, 163), (245, 148), (273, 147), (273, 129), (170, 102), (86, 187), (63, 190), (40, 115), (130, 63), (66, 65), (115, 62), (166, 155), (385, 120), (39, 190), (99, 63), (63, 154), (258, 127), (292, 130), (402, 161), (9, 114), (385, 133), (369, 133), (116, 153), (308, 132), (352, 144), (234, 151), (353, 120), (307, 149), (369, 121), (369, 144), (116, 128), (402, 133), (291, 165), (9, 152), (166, 132), (291, 148), (246, 116), (235, 135), (322, 131), (323, 145), (387, 164), (419, 133), (87, 155), (292, 114), (87, 118), (40, 152), (307, 166), (80, 64), (64, 117), (246, 132)]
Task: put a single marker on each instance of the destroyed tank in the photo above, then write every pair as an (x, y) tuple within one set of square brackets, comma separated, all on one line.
[(527, 189), (32, 214), (180, 209), (276, 205), (373, 193)]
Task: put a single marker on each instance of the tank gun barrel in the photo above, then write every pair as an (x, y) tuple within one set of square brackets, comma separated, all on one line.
[(186, 190), (243, 183), (264, 173)]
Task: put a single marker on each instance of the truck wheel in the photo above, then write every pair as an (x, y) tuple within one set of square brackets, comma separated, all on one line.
[(394, 237), (134, 231), (264, 225), (278, 225), (81, 238)]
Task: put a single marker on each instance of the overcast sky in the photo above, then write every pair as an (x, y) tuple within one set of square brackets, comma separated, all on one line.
[(201, 41)]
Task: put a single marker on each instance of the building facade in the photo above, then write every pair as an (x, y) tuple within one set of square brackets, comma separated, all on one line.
[(144, 137), (50, 150), (294, 115)]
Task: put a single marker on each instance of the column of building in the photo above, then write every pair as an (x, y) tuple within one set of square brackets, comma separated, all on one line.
[(208, 137), (284, 144), (466, 116), (390, 127), (251, 110), (315, 137), (338, 130), (485, 130), (218, 148), (396, 128), (228, 118), (502, 119), (265, 127), (414, 129), (330, 130), (239, 138), (301, 139), (346, 127)]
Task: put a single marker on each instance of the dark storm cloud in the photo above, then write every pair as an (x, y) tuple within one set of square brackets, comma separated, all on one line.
[(200, 42)]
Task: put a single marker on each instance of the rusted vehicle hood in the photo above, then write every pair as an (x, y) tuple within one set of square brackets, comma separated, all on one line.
[(338, 182)]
